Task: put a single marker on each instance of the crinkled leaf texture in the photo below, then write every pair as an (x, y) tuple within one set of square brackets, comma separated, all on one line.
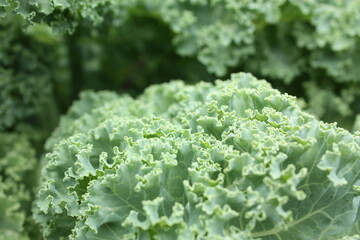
[(234, 160)]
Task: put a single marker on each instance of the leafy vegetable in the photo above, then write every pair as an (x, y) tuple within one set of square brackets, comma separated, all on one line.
[(234, 160)]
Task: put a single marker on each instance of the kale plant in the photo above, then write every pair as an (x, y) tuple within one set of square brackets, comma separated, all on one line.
[(234, 160)]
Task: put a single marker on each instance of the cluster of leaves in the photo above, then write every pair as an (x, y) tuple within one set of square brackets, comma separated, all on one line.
[(16, 165), (41, 60), (30, 63), (311, 46), (43, 68), (237, 160), (51, 50)]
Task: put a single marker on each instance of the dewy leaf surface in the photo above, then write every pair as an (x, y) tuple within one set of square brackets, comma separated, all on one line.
[(234, 160)]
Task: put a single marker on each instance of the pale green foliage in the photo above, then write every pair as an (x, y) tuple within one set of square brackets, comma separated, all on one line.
[(234, 160)]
